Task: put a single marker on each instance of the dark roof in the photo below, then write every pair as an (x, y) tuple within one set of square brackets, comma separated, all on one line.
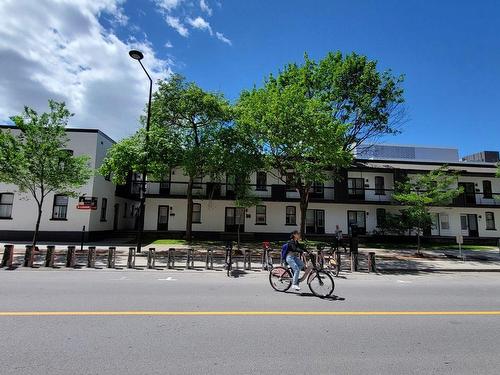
[(72, 130)]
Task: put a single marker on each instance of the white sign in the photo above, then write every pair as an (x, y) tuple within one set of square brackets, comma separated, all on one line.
[(460, 239)]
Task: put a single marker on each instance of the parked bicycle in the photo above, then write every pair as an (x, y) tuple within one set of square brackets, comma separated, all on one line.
[(320, 282)]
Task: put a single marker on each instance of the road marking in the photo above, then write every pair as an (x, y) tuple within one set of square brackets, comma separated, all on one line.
[(168, 279), (246, 313)]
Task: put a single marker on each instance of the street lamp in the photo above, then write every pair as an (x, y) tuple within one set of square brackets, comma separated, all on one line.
[(138, 55)]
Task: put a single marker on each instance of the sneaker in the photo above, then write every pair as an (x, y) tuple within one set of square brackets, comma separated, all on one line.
[(296, 287)]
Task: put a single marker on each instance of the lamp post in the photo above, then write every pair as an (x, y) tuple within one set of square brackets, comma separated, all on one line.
[(138, 55)]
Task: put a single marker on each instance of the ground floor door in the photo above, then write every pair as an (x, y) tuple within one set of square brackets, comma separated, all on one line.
[(472, 224), (116, 214), (356, 219), (235, 217), (162, 218), (315, 221)]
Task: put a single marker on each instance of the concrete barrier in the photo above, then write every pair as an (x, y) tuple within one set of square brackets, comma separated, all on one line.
[(71, 257), (50, 256), (111, 257), (8, 256), (131, 257)]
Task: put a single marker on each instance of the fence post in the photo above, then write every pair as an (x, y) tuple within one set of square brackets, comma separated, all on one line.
[(338, 259), (171, 258), (111, 257), (131, 257), (8, 256), (209, 261), (372, 267), (70, 257), (91, 257), (50, 255), (29, 255), (190, 259), (151, 258), (229, 256), (247, 259), (354, 261)]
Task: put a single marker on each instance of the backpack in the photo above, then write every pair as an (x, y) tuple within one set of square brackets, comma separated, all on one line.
[(284, 251)]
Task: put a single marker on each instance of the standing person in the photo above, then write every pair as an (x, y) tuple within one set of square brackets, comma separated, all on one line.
[(295, 248), (340, 239)]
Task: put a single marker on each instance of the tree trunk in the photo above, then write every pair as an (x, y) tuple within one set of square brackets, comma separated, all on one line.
[(37, 226), (304, 203), (189, 218)]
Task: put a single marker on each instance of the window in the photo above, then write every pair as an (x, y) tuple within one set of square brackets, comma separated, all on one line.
[(60, 208), (318, 187), (196, 213), (6, 201), (445, 221), (291, 215), (104, 208), (260, 215), (490, 221), (379, 185), (356, 187), (464, 225), (380, 216), (261, 181), (357, 219), (289, 182), (197, 182), (487, 191)]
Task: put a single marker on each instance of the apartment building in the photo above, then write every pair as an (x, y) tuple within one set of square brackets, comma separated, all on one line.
[(361, 197)]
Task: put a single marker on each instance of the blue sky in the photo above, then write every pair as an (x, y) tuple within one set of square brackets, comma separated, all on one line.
[(449, 52)]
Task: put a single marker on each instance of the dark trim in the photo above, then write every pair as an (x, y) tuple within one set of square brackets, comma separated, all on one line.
[(6, 218), (57, 219), (260, 224), (70, 130)]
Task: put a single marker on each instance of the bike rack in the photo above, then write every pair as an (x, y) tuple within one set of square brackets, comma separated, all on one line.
[(131, 257)]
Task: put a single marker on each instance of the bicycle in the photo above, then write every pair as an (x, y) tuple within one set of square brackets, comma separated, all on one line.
[(327, 261), (320, 282)]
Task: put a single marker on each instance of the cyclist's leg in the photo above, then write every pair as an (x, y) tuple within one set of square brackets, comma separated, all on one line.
[(292, 261)]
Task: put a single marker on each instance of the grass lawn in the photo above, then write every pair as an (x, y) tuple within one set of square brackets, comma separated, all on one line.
[(396, 246), (169, 242)]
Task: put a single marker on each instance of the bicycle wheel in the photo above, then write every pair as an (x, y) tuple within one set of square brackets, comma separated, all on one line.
[(280, 279), (321, 284)]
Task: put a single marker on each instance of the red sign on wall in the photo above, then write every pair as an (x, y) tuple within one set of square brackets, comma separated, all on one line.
[(87, 203)]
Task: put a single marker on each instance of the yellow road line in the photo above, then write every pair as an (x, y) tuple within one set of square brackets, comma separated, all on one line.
[(245, 313)]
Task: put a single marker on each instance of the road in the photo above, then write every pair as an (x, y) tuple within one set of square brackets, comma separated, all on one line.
[(135, 329)]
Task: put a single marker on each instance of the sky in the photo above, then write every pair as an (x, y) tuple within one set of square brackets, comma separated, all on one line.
[(77, 51)]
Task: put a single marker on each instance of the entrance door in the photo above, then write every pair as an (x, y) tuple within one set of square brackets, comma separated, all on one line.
[(315, 221), (358, 219), (473, 228), (469, 195), (162, 218), (235, 216), (116, 214)]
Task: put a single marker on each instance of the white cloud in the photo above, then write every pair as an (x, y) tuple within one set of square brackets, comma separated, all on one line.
[(176, 23), (205, 8), (168, 44), (168, 5), (222, 38), (66, 54), (200, 23)]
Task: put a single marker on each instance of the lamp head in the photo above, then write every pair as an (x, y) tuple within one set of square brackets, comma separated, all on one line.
[(136, 55)]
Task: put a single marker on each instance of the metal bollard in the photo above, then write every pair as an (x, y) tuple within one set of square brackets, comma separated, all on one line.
[(91, 257), (151, 258), (209, 261), (354, 261), (338, 259), (190, 259), (29, 256), (171, 258), (8, 256), (50, 255), (131, 257), (372, 267), (111, 257), (71, 257), (247, 259)]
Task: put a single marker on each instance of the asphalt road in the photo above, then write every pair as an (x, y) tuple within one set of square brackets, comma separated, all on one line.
[(252, 343)]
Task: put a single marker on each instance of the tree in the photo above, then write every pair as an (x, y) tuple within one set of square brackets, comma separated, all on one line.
[(423, 191), (309, 118), (37, 161), (197, 118)]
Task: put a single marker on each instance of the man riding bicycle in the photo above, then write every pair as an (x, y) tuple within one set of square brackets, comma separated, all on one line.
[(294, 250)]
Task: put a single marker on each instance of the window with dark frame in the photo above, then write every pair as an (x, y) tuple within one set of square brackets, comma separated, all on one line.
[(6, 202), (318, 187), (260, 215), (490, 221), (487, 190), (261, 181), (104, 208), (196, 213), (197, 182), (60, 207), (379, 185), (356, 187), (381, 214), (289, 182), (291, 215), (464, 224)]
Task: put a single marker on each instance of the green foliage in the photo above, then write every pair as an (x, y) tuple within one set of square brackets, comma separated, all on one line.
[(37, 161)]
